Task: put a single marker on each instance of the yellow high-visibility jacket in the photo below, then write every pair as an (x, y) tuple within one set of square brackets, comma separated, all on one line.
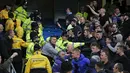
[(21, 13), (27, 24), (41, 39), (85, 15), (30, 50), (9, 25), (17, 43), (62, 45), (38, 61), (4, 14), (19, 29)]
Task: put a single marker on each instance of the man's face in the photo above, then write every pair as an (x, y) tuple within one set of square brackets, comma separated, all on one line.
[(94, 49), (86, 33), (114, 28), (98, 35), (95, 3), (64, 38), (67, 10), (62, 54), (103, 56), (12, 33), (98, 28), (53, 40), (69, 48), (82, 20), (118, 50), (117, 11), (115, 68), (101, 11), (74, 54)]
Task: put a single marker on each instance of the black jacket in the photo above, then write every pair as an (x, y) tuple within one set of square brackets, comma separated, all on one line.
[(124, 60)]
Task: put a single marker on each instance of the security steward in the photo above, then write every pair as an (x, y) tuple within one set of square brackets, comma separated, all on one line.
[(38, 63)]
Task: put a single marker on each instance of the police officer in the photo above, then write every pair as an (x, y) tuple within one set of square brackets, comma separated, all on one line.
[(62, 43)]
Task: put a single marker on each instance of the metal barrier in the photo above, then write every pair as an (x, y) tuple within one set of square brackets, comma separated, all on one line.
[(11, 69)]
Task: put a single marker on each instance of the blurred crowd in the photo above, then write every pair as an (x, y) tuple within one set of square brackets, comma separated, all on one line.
[(94, 40)]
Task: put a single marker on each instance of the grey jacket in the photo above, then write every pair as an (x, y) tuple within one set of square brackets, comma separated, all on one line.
[(49, 50)]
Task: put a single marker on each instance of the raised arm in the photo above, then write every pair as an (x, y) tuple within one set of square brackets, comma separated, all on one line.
[(95, 13)]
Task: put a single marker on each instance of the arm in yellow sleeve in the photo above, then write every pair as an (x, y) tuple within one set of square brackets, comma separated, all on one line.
[(20, 32), (23, 43), (28, 66), (48, 66), (77, 44)]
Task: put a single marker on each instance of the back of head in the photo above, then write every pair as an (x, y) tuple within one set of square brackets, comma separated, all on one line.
[(34, 25), (119, 66), (95, 44), (34, 36), (121, 47), (100, 65), (66, 66), (37, 47), (11, 15)]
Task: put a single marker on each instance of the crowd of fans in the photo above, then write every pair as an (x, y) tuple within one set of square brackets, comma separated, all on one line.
[(92, 41)]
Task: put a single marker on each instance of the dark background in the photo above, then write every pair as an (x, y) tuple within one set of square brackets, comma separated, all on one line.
[(50, 9)]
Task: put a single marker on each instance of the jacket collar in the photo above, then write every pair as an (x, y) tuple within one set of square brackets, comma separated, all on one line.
[(37, 52)]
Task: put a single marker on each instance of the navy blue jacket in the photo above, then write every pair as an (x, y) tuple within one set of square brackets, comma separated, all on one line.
[(80, 65)]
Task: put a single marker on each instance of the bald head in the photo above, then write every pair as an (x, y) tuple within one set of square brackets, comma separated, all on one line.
[(69, 48), (102, 11)]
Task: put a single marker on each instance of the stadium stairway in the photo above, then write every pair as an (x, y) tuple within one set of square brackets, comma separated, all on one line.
[(50, 29)]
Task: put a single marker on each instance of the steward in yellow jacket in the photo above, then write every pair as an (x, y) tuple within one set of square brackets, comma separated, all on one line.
[(38, 63), (4, 12), (9, 25), (16, 47), (19, 30)]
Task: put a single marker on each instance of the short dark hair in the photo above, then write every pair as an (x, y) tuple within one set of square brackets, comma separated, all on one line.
[(100, 64), (66, 66), (106, 51), (119, 66), (64, 33), (95, 44), (11, 15), (122, 47), (37, 47), (53, 37)]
